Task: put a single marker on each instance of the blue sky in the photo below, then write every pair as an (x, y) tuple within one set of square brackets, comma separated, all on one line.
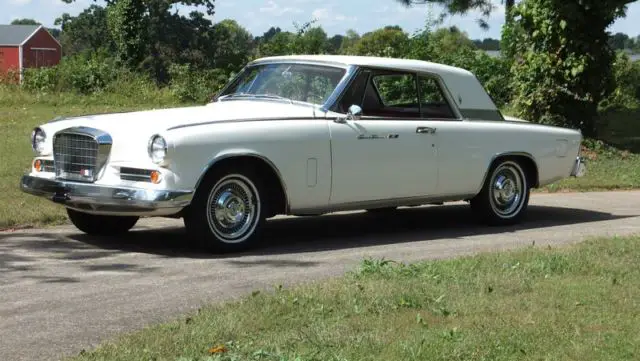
[(335, 16)]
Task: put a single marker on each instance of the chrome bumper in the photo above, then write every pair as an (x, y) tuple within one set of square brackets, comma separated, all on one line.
[(96, 199), (579, 168)]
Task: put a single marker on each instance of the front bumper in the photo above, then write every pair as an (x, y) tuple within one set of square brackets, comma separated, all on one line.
[(107, 200), (579, 168)]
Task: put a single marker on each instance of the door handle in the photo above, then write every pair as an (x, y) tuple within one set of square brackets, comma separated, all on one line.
[(425, 130)]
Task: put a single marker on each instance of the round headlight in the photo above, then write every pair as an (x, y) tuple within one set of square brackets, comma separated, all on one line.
[(157, 149), (38, 137)]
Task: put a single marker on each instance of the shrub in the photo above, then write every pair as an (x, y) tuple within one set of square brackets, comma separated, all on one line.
[(188, 84), (626, 94), (82, 74)]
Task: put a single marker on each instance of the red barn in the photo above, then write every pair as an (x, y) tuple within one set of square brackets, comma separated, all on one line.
[(27, 46)]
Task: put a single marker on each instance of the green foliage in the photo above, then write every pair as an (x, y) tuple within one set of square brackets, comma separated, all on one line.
[(386, 42), (189, 85), (88, 31), (626, 94), (561, 64), (128, 27), (83, 74)]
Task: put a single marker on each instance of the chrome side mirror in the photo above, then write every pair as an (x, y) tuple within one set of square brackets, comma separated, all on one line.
[(354, 112)]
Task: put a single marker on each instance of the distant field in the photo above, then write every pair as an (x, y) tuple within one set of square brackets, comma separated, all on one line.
[(20, 112)]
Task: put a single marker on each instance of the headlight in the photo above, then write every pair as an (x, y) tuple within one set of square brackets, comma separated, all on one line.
[(157, 149), (38, 137)]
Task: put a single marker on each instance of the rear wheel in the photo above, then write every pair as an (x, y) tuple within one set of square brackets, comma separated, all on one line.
[(504, 197), (101, 225), (228, 210)]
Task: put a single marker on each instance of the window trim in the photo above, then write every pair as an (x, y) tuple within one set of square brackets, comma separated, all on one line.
[(447, 101), (448, 97)]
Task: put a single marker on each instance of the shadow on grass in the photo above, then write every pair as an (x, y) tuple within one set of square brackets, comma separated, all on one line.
[(292, 235)]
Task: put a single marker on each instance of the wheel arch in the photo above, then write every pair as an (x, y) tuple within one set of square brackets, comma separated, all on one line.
[(263, 164), (526, 160)]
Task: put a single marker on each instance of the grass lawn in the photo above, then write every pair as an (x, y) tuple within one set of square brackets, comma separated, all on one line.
[(575, 303), (20, 112)]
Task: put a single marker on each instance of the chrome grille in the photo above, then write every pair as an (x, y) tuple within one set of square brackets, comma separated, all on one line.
[(75, 156)]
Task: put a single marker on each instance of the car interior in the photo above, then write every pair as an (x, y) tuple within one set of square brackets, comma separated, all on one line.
[(395, 95)]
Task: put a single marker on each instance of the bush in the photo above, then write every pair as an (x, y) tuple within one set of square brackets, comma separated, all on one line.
[(83, 74), (626, 94), (189, 85)]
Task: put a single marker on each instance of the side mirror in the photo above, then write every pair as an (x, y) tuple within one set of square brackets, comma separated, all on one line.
[(354, 112)]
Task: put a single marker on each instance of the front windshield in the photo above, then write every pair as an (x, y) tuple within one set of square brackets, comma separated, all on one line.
[(296, 82)]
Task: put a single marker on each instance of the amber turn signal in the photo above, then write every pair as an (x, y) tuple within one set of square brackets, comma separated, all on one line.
[(37, 164), (155, 177)]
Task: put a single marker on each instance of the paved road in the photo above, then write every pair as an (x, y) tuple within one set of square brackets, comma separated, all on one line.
[(61, 291)]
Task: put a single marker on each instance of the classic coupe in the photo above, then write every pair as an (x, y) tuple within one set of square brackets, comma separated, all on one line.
[(301, 135)]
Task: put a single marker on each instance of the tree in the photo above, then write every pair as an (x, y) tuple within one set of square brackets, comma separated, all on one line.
[(232, 45), (561, 61), (53, 31), (619, 41), (88, 31), (24, 22), (462, 7), (142, 29), (390, 41)]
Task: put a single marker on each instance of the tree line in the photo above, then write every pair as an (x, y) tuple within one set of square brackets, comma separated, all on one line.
[(558, 63)]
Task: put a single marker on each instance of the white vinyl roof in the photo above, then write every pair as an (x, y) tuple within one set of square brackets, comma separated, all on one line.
[(372, 61), (466, 90)]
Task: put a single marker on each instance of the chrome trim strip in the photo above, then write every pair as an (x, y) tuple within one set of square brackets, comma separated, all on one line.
[(243, 120), (107, 200), (342, 86), (246, 154), (382, 203)]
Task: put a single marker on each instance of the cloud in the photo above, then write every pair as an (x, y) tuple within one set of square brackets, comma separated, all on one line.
[(328, 17), (274, 9), (19, 2)]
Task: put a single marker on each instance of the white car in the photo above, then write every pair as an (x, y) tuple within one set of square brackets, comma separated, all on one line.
[(301, 135)]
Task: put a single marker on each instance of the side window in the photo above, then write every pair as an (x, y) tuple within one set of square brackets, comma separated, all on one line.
[(397, 90), (433, 102), (398, 95)]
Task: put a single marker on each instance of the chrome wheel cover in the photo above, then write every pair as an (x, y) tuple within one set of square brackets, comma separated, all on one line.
[(233, 208), (508, 190)]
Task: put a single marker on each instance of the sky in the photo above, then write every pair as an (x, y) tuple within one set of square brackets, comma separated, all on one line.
[(335, 16)]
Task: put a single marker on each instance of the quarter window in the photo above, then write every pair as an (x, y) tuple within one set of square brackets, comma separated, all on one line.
[(433, 102)]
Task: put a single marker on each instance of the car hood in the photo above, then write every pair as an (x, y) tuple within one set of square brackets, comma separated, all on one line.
[(143, 124)]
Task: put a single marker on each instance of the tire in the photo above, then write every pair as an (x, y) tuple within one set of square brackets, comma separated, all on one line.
[(235, 223), (504, 197), (99, 225)]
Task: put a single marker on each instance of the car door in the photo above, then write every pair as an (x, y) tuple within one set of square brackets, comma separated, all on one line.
[(389, 151)]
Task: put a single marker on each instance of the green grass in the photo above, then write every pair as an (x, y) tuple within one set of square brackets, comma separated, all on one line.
[(617, 172), (21, 111), (575, 303)]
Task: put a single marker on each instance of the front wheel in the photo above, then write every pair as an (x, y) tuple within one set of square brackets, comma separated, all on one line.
[(101, 225), (228, 210), (504, 197)]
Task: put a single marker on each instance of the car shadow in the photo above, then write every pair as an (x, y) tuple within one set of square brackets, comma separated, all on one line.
[(339, 231)]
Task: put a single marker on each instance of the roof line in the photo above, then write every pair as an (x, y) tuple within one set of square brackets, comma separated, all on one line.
[(36, 31)]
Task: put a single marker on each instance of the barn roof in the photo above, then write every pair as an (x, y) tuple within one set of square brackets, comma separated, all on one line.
[(16, 34)]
